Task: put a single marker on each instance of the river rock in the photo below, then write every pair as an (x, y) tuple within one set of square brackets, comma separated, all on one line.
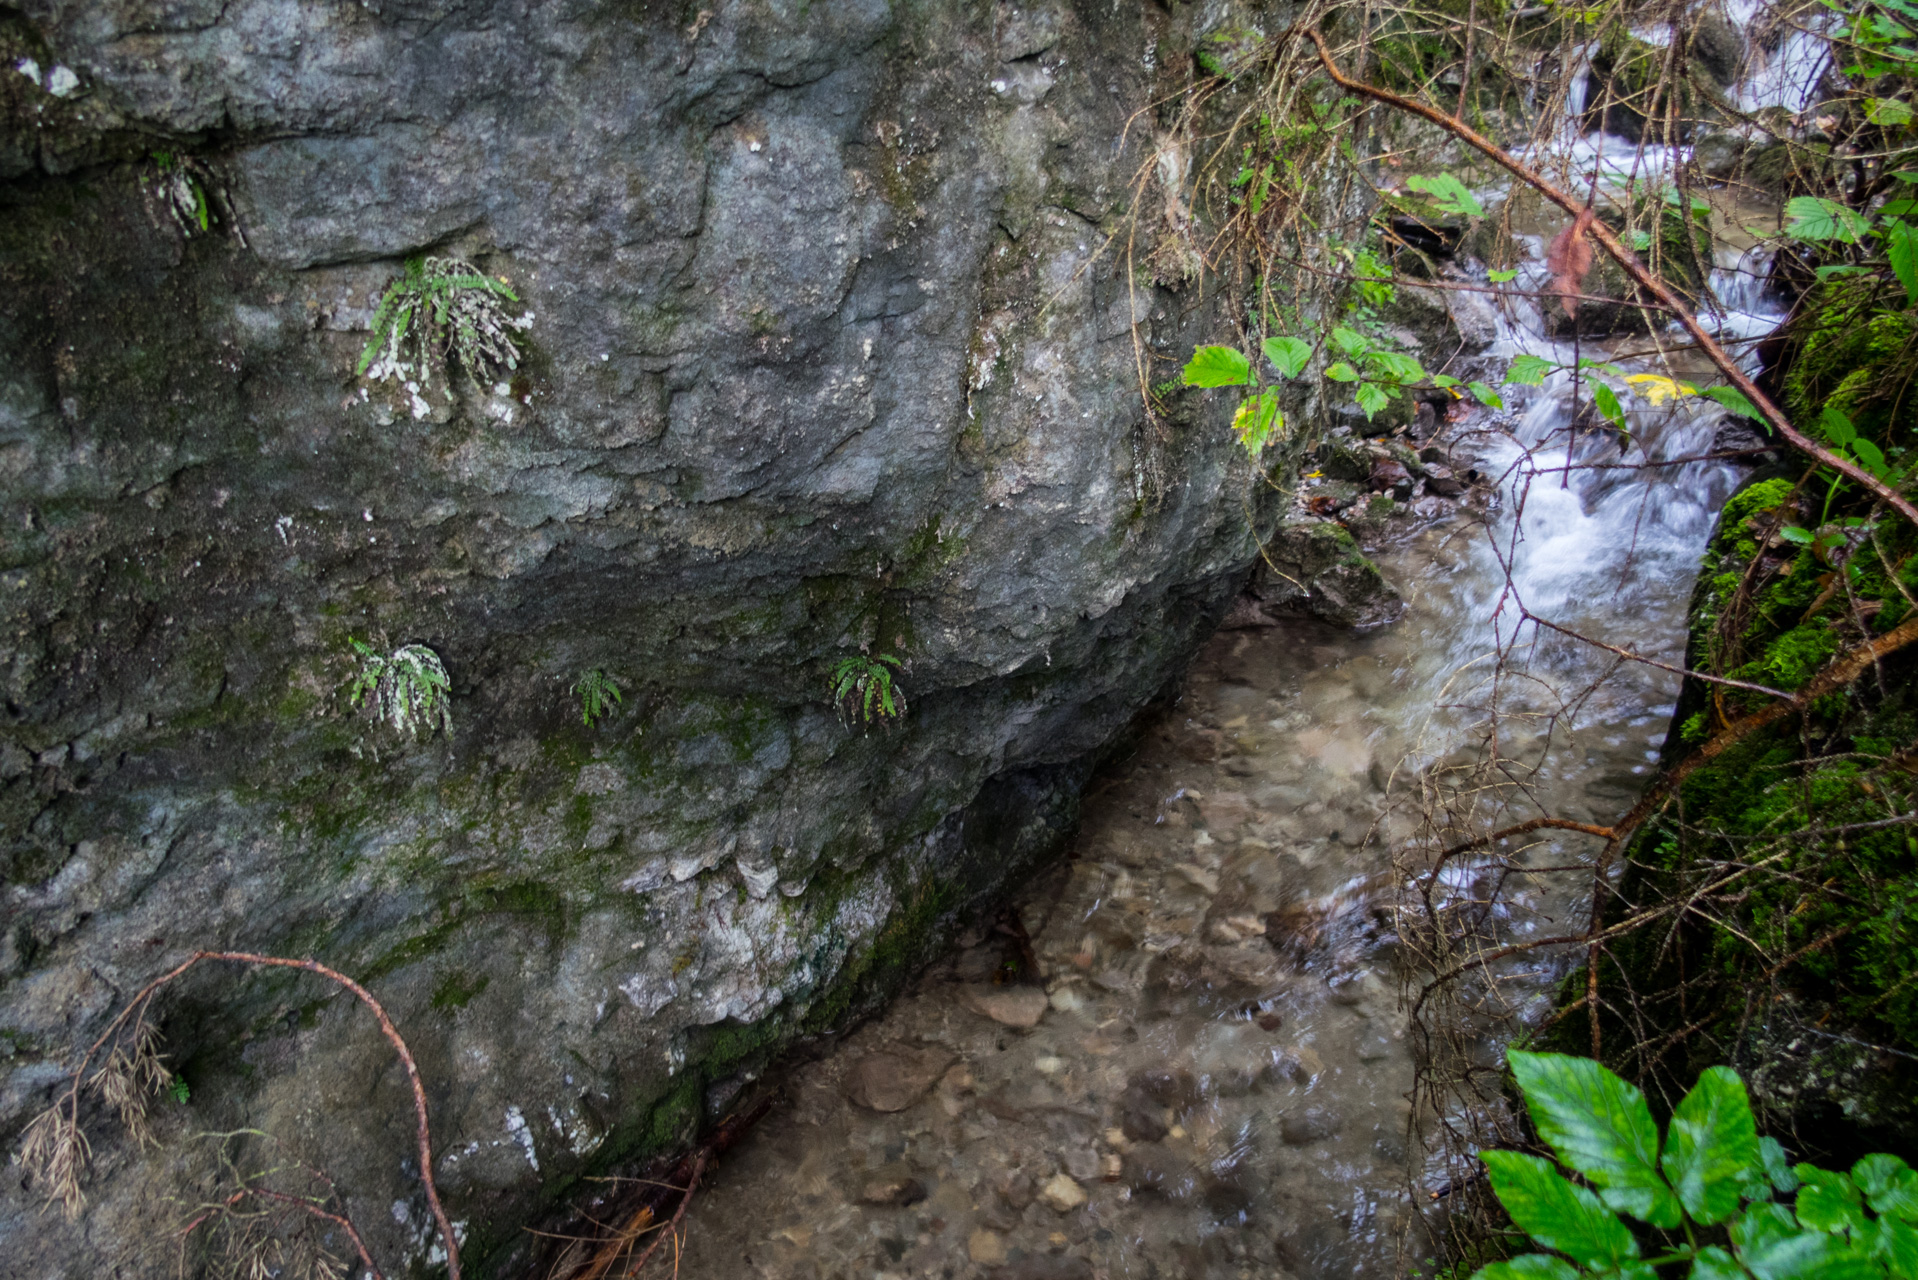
[(893, 1079), (1062, 1193), (1045, 1266), (1009, 1006), (986, 1247), (1310, 1124), (892, 1185), (1152, 1167)]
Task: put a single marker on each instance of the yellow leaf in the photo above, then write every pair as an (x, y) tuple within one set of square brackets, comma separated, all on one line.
[(1657, 389)]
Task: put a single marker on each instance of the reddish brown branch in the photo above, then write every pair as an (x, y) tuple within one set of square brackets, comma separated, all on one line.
[(365, 997)]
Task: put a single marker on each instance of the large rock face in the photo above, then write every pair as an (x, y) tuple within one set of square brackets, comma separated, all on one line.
[(830, 352)]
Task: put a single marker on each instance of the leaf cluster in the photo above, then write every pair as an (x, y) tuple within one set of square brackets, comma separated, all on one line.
[(1709, 1195), (408, 689), (598, 694), (862, 688), (442, 309)]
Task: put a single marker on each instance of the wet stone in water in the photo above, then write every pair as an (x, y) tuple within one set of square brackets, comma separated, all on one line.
[(1011, 1006), (893, 1079), (1062, 1193), (892, 1185), (1310, 1124)]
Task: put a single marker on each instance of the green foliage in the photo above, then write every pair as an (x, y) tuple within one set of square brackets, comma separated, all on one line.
[(598, 694), (862, 688), (1449, 194), (408, 688), (441, 309), (1713, 1199)]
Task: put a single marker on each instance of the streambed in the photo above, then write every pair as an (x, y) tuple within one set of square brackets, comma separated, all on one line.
[(1207, 1073)]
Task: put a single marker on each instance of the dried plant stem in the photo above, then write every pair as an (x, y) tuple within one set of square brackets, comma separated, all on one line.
[(135, 1008)]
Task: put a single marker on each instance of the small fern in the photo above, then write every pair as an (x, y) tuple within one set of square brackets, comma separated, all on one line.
[(598, 694), (442, 309), (407, 688), (862, 688)]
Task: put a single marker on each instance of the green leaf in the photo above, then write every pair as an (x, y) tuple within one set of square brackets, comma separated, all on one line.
[(1501, 277), (1711, 1147), (1816, 219), (1901, 244), (1890, 1186), (1713, 1263), (1896, 1245), (1803, 537), (1840, 270), (1869, 456), (1773, 1247), (1394, 365), (1342, 372), (1735, 400), (1528, 371), (1641, 240), (1777, 1165), (1218, 367), (1528, 1266), (1448, 193), (1288, 355), (1887, 111), (1905, 175), (1256, 419), (1827, 1201), (1371, 397), (1557, 1213), (1600, 1126), (1836, 427), (1486, 396), (1351, 341), (1445, 380), (1607, 402)]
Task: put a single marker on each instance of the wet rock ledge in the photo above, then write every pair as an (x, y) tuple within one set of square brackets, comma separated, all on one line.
[(823, 360)]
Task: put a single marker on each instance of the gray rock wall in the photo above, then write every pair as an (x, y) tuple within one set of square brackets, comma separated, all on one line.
[(825, 357)]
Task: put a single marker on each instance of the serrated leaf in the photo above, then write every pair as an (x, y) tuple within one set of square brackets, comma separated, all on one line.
[(1448, 193), (1394, 365), (1288, 355), (1901, 246), (1258, 416), (1501, 277), (1816, 219), (1890, 1186), (1771, 1153), (1896, 1245), (1528, 1266), (1607, 403), (1486, 396), (1735, 400), (1350, 341), (1711, 1146), (1556, 1213), (1445, 380), (1528, 371), (1371, 397), (1803, 537), (1888, 112), (1713, 1263), (1773, 1247), (1600, 1126), (1869, 456), (1342, 372), (1218, 367), (1827, 1201), (1657, 389)]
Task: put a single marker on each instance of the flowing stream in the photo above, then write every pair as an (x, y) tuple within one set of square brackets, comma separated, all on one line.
[(1207, 1076)]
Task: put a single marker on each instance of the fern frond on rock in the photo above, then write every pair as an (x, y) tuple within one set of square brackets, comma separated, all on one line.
[(862, 689), (441, 310), (598, 694), (408, 689)]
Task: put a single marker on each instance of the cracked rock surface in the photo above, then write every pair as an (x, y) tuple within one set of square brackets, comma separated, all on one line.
[(828, 354)]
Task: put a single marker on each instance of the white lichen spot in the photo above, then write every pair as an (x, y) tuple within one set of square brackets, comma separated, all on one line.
[(284, 525), (28, 68), (61, 82), (518, 1131)]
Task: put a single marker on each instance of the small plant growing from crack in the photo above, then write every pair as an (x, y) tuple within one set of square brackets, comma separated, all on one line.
[(442, 310), (598, 694), (862, 688), (407, 688), (187, 192)]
